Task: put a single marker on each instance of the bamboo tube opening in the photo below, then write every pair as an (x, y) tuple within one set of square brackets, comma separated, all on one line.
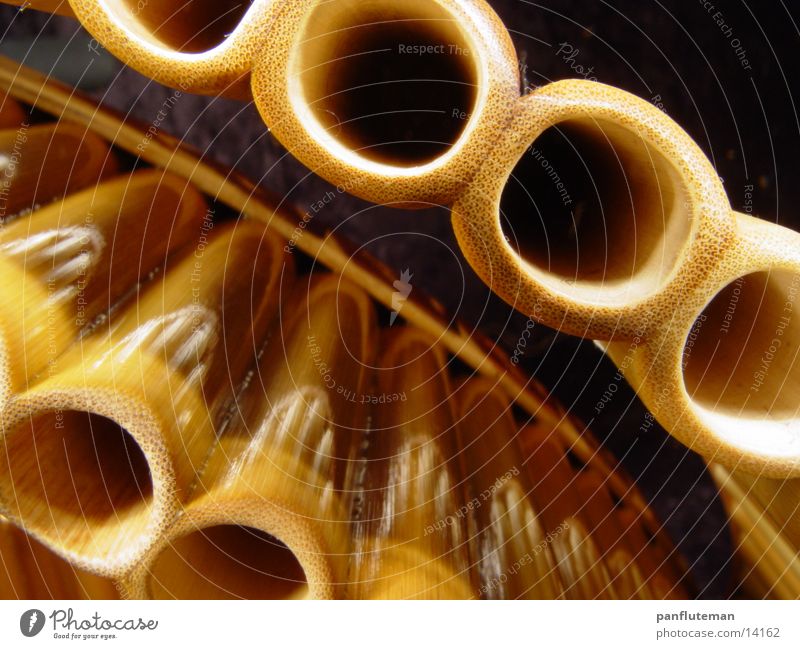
[(188, 26), (227, 562), (395, 82), (596, 211), (741, 359), (69, 469)]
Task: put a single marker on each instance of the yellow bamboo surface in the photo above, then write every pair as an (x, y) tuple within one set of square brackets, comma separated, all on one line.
[(282, 478), (509, 549), (634, 568), (240, 194), (42, 163), (779, 499), (11, 113), (456, 339), (764, 540), (100, 454), (28, 570), (408, 542), (73, 260)]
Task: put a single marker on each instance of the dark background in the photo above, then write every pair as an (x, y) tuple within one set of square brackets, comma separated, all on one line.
[(670, 51)]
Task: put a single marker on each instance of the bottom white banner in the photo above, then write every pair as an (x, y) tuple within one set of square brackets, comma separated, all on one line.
[(399, 624)]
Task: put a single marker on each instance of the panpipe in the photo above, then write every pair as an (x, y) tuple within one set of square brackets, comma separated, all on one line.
[(216, 424), (419, 102)]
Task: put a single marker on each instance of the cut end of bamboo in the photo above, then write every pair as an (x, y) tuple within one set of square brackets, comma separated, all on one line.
[(741, 371), (227, 562), (86, 475), (361, 87), (235, 549)]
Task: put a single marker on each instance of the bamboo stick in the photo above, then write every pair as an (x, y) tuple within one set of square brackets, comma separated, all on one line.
[(285, 468), (40, 164), (618, 554), (583, 572), (72, 261), (124, 424), (28, 570), (780, 499), (554, 492), (409, 542), (770, 558), (660, 566), (508, 545)]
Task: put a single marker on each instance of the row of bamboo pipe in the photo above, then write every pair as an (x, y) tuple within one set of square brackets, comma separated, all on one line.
[(659, 251), (758, 545), (140, 444)]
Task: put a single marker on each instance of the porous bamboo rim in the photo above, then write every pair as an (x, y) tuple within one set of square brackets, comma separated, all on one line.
[(617, 309), (755, 442), (223, 69), (29, 86), (266, 515), (144, 427), (282, 102)]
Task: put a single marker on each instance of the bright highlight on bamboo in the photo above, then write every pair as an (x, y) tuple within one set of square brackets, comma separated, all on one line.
[(405, 546), (271, 515), (509, 547), (126, 421), (72, 261)]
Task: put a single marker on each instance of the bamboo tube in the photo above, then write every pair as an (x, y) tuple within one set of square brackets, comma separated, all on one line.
[(680, 255), (11, 113), (780, 499), (28, 570), (663, 574), (392, 101), (200, 46), (39, 164), (624, 239), (126, 421), (507, 542), (72, 261), (766, 549), (285, 469), (625, 565), (409, 542), (239, 194), (60, 7), (583, 572)]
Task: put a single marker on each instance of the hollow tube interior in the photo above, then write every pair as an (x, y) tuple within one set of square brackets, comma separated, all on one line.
[(79, 479), (591, 205), (742, 356), (227, 562), (189, 26), (394, 81)]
